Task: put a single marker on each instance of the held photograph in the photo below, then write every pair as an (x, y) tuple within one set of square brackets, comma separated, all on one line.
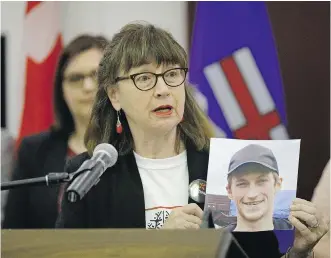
[(252, 183)]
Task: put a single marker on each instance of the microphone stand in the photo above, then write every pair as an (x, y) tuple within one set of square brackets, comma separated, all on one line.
[(48, 180)]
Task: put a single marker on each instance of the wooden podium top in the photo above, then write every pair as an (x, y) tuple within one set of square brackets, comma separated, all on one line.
[(99, 243)]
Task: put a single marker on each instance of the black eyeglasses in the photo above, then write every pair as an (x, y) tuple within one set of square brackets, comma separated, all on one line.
[(146, 80)]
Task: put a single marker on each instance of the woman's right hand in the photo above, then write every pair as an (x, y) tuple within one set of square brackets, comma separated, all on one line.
[(186, 217)]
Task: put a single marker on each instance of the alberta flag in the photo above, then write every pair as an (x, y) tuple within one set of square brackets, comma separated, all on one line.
[(234, 65)]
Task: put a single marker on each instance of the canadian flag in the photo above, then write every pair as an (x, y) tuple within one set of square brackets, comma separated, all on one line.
[(42, 44)]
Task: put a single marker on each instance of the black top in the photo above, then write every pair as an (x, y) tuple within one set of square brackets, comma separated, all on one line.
[(117, 201), (261, 244), (36, 206)]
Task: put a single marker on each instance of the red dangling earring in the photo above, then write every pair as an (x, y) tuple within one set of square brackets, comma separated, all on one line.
[(119, 127)]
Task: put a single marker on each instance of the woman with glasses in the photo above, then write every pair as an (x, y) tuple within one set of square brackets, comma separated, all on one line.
[(145, 108), (74, 92)]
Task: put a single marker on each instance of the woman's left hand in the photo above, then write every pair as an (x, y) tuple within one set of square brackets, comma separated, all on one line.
[(310, 225)]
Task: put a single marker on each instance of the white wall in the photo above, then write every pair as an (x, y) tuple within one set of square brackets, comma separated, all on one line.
[(12, 14), (109, 17), (79, 17)]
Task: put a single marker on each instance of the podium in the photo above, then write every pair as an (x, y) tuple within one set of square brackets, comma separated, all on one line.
[(102, 243)]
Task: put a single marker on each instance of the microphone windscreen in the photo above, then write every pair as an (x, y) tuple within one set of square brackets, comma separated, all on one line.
[(108, 153)]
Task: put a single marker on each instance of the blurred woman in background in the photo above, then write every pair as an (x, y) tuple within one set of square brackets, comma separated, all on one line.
[(74, 92)]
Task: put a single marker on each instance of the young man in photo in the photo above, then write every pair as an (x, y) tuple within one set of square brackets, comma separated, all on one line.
[(253, 182)]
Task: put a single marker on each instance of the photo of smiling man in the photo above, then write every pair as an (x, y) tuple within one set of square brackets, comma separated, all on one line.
[(253, 182)]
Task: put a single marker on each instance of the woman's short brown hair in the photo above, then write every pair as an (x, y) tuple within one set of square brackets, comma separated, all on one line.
[(137, 44)]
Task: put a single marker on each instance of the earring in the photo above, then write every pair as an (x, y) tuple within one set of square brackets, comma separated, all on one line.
[(119, 127)]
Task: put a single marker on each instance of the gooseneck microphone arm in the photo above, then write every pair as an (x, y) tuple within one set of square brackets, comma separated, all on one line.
[(48, 180)]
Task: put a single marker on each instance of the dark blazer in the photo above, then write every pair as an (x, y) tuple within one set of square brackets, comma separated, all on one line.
[(36, 207), (117, 201)]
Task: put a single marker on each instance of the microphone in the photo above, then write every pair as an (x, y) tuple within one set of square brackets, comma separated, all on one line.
[(104, 156), (197, 190)]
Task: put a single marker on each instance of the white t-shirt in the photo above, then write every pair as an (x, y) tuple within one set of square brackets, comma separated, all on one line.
[(165, 183)]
